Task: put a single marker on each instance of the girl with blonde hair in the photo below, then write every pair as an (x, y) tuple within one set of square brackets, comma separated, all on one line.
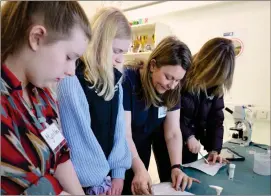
[(151, 100), (91, 107), (202, 103)]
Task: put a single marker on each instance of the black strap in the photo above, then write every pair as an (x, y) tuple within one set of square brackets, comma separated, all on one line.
[(178, 166)]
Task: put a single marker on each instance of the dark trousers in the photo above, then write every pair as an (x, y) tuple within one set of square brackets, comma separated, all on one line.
[(144, 151), (162, 157)]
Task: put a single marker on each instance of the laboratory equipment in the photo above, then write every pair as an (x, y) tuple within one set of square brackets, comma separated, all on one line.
[(242, 128)]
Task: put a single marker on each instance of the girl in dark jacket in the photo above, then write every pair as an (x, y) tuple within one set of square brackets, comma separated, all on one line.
[(201, 118)]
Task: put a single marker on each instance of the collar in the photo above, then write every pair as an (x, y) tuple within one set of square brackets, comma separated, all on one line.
[(12, 82), (117, 75), (211, 90)]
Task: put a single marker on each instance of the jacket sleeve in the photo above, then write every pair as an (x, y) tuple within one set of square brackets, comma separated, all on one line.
[(186, 116), (215, 128)]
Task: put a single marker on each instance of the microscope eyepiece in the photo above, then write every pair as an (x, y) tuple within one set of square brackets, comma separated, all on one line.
[(228, 110)]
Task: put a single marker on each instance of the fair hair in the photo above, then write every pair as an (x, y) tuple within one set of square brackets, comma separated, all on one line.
[(212, 66), (108, 23), (170, 51)]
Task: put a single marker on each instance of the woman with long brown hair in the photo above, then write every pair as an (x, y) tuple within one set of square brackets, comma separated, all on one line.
[(201, 117), (151, 99)]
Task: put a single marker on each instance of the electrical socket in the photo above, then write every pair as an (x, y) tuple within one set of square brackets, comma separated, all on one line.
[(262, 114), (250, 114)]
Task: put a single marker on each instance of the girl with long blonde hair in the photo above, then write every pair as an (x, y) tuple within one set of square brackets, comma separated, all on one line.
[(91, 107)]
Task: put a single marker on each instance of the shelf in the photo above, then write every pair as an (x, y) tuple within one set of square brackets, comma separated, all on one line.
[(158, 29), (137, 53), (143, 27)]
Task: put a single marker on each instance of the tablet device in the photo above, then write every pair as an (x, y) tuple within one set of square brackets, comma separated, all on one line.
[(231, 155)]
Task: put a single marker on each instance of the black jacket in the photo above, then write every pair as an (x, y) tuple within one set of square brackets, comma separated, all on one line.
[(203, 117)]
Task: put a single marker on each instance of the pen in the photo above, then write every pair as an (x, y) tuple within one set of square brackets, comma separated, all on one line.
[(204, 158)]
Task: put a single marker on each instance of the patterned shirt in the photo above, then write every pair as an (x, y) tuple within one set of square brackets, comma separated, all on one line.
[(27, 162)]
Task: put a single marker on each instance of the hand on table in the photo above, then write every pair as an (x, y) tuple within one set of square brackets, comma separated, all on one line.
[(180, 179), (64, 193), (142, 183), (117, 186), (214, 157)]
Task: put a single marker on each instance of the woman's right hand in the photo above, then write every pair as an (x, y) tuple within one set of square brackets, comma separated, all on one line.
[(193, 145), (142, 183)]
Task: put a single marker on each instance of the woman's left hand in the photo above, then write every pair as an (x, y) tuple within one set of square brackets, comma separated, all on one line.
[(180, 179), (214, 157)]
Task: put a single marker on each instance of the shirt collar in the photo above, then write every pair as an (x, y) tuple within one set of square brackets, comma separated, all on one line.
[(10, 79), (117, 74)]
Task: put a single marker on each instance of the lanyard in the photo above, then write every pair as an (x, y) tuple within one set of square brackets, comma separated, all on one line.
[(39, 122)]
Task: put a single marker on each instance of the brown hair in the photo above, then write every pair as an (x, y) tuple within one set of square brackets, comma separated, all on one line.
[(170, 51), (107, 24), (58, 17), (212, 66)]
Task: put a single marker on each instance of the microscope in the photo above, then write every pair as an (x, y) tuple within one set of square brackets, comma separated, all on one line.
[(243, 127)]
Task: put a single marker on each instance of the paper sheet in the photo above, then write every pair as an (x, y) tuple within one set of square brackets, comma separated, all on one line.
[(206, 168), (165, 188)]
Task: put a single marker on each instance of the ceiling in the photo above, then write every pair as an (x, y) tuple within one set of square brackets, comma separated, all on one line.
[(93, 5), (126, 4)]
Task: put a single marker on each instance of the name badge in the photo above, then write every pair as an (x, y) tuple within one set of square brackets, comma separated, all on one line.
[(162, 112), (54, 138)]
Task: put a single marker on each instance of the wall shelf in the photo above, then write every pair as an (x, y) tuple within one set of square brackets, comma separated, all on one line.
[(137, 53), (159, 30), (143, 27)]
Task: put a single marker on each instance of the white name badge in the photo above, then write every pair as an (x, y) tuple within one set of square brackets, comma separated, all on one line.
[(53, 137), (162, 112)]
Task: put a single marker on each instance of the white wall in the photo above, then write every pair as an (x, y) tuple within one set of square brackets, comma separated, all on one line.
[(165, 8), (250, 22), (90, 7)]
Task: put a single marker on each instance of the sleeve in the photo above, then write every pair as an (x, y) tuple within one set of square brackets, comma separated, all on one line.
[(176, 107), (127, 94), (46, 185), (65, 154), (215, 128), (86, 153), (120, 157), (187, 110)]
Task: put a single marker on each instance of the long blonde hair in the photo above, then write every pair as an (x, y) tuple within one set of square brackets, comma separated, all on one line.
[(170, 51), (212, 66), (107, 24)]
